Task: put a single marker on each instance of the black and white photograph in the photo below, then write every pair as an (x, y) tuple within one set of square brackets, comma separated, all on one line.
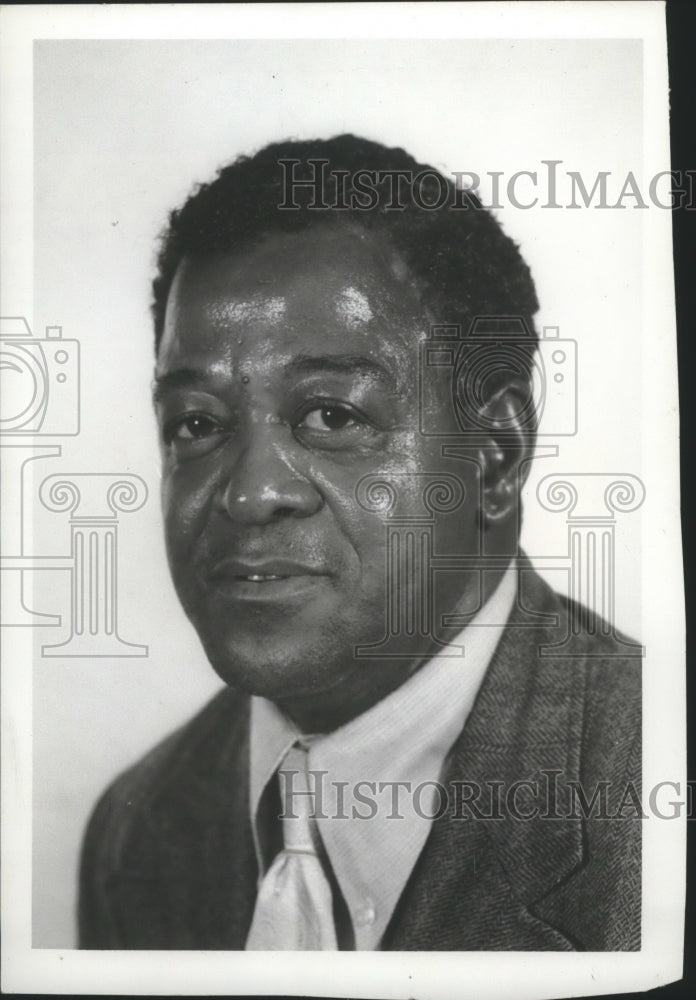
[(342, 597)]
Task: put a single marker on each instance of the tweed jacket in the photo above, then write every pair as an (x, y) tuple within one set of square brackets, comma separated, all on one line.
[(533, 862)]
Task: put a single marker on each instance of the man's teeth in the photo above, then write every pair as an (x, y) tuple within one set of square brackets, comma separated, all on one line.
[(262, 577)]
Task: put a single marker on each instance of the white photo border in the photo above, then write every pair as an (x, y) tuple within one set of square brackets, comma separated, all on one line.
[(397, 975)]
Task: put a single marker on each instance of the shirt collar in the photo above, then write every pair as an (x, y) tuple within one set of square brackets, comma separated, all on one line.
[(373, 829)]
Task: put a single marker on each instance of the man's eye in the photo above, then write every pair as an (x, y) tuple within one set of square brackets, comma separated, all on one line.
[(329, 418), (194, 427)]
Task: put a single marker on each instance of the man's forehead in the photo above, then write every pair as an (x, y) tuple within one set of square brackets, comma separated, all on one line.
[(353, 304), (353, 266), (259, 308), (298, 295)]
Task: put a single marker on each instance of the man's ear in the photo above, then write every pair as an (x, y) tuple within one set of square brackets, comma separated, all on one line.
[(510, 425)]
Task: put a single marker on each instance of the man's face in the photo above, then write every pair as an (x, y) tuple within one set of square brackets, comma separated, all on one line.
[(285, 376)]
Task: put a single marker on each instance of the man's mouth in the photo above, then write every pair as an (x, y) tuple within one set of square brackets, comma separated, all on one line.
[(261, 577), (269, 579), (260, 570)]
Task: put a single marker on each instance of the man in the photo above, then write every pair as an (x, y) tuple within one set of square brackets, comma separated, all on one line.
[(402, 758)]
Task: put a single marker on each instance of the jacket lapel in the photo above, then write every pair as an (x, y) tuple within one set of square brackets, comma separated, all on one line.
[(485, 865)]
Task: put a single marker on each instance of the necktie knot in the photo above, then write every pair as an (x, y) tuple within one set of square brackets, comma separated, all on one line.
[(298, 805)]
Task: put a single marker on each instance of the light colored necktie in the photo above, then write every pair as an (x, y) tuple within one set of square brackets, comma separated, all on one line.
[(294, 909)]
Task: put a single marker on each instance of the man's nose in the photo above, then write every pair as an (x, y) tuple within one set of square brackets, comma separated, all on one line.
[(262, 485)]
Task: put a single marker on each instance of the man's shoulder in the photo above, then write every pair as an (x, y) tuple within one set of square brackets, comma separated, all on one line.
[(613, 661), (582, 651), (203, 751), (577, 631), (156, 832)]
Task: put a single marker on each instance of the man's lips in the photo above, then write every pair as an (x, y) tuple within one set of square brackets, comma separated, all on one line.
[(263, 570), (262, 581)]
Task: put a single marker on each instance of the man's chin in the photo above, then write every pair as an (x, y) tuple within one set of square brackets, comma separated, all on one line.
[(281, 670)]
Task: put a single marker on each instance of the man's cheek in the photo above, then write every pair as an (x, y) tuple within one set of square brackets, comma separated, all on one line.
[(370, 534), (188, 491), (184, 530)]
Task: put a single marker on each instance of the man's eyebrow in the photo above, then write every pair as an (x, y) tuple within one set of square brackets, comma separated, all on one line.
[(180, 378), (342, 364)]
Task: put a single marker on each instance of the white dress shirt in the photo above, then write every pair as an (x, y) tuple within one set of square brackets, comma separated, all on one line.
[(372, 829)]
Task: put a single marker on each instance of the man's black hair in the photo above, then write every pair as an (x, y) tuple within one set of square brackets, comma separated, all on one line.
[(458, 259)]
